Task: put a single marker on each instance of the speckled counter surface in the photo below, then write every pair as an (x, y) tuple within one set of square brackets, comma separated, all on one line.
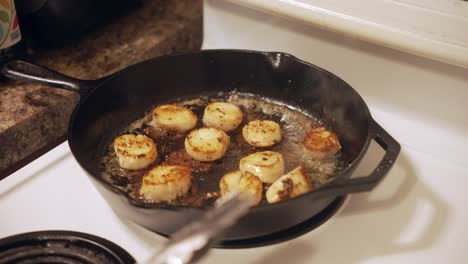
[(33, 116)]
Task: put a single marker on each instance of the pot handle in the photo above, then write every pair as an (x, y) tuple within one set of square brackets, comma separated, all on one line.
[(367, 183), (25, 71)]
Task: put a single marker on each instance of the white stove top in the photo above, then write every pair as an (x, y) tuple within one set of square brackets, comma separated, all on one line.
[(434, 29), (416, 215)]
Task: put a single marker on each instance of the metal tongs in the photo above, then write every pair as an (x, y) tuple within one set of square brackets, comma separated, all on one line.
[(193, 241)]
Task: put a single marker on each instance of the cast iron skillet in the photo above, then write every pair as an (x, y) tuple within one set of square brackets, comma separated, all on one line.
[(108, 105)]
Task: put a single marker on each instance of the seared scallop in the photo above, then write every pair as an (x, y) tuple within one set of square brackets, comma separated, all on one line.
[(290, 185), (320, 143), (262, 133), (266, 165), (174, 117), (135, 152), (245, 183), (223, 116), (206, 144), (166, 183)]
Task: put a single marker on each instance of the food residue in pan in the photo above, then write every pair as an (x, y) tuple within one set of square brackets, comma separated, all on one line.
[(247, 140)]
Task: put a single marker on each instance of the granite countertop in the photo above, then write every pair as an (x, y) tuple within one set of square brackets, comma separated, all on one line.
[(34, 118)]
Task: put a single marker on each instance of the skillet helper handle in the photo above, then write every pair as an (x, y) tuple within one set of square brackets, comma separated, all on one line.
[(367, 183), (25, 71)]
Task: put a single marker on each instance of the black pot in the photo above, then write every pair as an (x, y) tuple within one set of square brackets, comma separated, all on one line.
[(108, 105), (55, 23)]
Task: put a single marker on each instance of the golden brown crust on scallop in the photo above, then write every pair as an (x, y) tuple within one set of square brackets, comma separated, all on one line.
[(174, 173), (319, 142)]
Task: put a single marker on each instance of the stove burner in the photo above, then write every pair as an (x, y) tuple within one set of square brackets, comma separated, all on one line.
[(287, 234), (60, 247), (283, 235)]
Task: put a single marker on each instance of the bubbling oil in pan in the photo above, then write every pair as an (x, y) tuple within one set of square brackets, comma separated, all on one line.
[(206, 175)]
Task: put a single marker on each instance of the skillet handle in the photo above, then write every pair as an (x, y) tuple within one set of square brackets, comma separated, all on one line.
[(24, 71), (367, 183)]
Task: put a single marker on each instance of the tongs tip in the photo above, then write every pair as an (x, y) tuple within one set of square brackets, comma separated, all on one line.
[(191, 242)]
